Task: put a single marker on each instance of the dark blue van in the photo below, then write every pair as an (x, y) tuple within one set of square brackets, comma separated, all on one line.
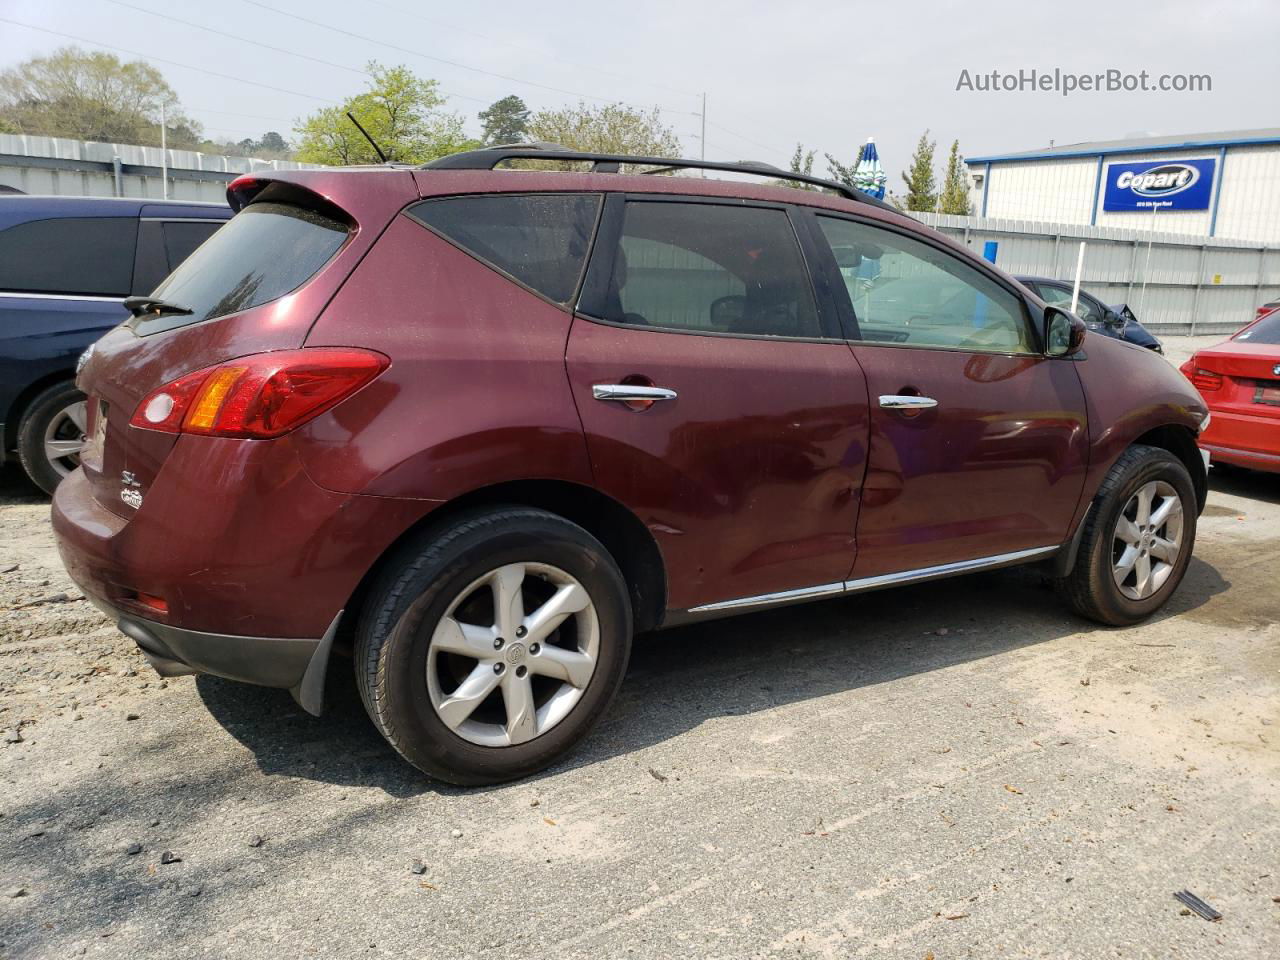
[(66, 265)]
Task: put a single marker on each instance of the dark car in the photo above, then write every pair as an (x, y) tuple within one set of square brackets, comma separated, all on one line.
[(66, 265), (481, 426), (1115, 321)]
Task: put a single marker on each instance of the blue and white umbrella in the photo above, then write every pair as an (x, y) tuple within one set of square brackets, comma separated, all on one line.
[(869, 176)]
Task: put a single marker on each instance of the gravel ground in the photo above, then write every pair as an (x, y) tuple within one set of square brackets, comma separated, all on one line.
[(959, 769)]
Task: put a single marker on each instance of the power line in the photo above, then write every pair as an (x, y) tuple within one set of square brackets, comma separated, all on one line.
[(427, 56), (525, 46), (172, 63)]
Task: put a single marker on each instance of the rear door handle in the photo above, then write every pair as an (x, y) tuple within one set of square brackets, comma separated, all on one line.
[(894, 401), (628, 391)]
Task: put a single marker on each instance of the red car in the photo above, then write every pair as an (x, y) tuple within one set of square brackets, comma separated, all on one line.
[(480, 426), (1240, 381)]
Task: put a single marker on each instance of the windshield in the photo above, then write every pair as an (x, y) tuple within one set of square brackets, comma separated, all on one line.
[(262, 253), (1266, 330)]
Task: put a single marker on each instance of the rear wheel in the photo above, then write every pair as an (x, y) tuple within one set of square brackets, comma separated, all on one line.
[(1137, 541), (51, 433), (489, 649)]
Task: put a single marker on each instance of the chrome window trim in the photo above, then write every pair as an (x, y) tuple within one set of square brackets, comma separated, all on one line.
[(874, 583), (59, 296)]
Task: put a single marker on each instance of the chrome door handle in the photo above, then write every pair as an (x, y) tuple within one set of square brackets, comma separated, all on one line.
[(901, 402), (627, 391)]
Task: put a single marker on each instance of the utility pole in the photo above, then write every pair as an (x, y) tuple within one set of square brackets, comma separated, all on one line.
[(703, 141), (164, 157)]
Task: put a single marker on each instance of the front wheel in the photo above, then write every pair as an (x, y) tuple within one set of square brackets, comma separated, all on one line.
[(1137, 541), (491, 647)]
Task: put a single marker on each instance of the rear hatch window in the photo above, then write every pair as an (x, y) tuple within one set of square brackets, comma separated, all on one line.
[(265, 251)]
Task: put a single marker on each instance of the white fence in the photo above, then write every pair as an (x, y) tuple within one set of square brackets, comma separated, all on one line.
[(1173, 283), (54, 166)]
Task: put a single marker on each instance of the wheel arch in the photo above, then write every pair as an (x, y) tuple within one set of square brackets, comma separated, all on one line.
[(623, 534), (1180, 441)]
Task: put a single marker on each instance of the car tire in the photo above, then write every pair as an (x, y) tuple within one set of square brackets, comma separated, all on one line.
[(1118, 546), (426, 628), (53, 416)]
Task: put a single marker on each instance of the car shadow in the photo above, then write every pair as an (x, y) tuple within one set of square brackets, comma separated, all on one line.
[(680, 678), (16, 488), (1254, 484)]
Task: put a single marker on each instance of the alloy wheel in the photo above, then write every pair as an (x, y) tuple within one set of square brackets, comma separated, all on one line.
[(65, 435), (1147, 540), (513, 654)]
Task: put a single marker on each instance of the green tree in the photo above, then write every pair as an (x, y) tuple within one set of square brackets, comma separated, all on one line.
[(613, 128), (801, 163), (505, 121), (93, 96), (955, 185), (922, 187), (839, 171), (401, 111)]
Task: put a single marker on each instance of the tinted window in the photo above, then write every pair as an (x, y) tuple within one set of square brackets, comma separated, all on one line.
[(711, 268), (263, 252), (182, 237), (1266, 330), (73, 255), (1057, 296), (906, 291), (540, 240)]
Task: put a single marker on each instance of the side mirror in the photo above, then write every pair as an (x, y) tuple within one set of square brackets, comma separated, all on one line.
[(1063, 332)]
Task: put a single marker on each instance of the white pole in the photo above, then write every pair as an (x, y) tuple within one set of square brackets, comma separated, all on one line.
[(703, 141), (1075, 290), (164, 157), (1142, 297)]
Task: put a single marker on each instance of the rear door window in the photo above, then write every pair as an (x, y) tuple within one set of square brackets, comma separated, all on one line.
[(182, 237), (539, 240), (163, 244), (85, 256), (710, 268), (263, 252)]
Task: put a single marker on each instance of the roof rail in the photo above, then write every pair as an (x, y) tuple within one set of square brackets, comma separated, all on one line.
[(486, 158)]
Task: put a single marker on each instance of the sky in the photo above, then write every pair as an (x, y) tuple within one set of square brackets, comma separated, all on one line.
[(826, 74)]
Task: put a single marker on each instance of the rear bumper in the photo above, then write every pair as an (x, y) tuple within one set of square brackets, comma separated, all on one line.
[(297, 665), (1243, 439)]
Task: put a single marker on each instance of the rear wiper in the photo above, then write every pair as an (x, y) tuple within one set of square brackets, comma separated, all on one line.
[(142, 305)]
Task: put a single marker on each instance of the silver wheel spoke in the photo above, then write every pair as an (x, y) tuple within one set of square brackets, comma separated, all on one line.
[(522, 716), (1170, 509), (1162, 549), (1142, 569), (508, 602), (566, 601), (1144, 497), (572, 667), (465, 639), (459, 705), (1127, 530), (79, 414), (1125, 564), (57, 449)]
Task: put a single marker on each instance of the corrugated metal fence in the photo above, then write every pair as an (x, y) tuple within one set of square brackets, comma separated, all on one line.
[(57, 167), (1214, 286)]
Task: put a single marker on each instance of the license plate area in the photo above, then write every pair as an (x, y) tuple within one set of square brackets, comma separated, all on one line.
[(1267, 392), (98, 439)]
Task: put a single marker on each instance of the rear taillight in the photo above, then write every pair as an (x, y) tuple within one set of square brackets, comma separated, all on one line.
[(261, 396), (1206, 379)]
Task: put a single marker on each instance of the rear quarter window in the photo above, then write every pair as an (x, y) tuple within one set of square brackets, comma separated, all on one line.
[(262, 253), (85, 256), (539, 240)]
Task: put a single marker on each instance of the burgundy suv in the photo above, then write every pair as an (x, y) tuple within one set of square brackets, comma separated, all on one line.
[(481, 425)]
